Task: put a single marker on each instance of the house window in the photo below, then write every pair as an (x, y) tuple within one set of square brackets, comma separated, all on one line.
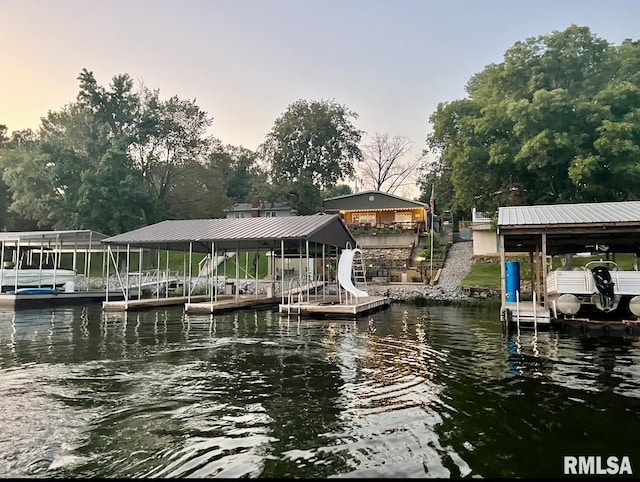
[(269, 214), (402, 217), (239, 215), (364, 218)]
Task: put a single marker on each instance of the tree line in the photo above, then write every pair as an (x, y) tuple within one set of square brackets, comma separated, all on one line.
[(118, 158), (557, 121)]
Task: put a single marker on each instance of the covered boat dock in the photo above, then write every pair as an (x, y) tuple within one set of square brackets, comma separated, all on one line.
[(545, 231), (50, 257), (301, 251)]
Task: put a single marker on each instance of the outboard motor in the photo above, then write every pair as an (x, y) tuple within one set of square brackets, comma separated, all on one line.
[(602, 277)]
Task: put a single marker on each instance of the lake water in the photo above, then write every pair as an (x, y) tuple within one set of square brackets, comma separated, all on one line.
[(435, 391)]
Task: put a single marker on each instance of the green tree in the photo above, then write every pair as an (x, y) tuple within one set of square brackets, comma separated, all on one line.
[(27, 191), (557, 121), (110, 199), (16, 148), (171, 135), (337, 190), (238, 170), (311, 147), (112, 143)]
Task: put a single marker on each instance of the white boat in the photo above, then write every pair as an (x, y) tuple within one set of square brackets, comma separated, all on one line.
[(599, 288), (37, 278)]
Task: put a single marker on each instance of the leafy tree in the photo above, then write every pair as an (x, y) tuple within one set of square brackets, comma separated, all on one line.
[(311, 147), (112, 145), (171, 135), (26, 190), (557, 121), (18, 147), (110, 199), (237, 168), (338, 190), (384, 166)]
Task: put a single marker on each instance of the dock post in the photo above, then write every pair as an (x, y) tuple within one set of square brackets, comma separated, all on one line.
[(518, 309), (535, 317)]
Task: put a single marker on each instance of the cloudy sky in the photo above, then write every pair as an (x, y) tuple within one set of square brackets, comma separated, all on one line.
[(246, 61)]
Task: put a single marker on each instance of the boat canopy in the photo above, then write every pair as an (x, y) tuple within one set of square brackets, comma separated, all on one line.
[(571, 228), (63, 241), (241, 234)]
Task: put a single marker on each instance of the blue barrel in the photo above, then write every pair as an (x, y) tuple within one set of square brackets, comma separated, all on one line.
[(513, 280)]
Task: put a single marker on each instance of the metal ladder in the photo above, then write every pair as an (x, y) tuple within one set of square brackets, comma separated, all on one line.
[(359, 273)]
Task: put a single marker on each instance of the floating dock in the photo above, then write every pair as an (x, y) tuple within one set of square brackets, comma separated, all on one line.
[(146, 303), (227, 303), (204, 303), (331, 306), (32, 300), (609, 327), (526, 313)]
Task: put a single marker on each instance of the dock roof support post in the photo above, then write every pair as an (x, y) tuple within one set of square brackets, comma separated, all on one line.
[(58, 264), (338, 277), (158, 274), (1, 266), (190, 255), (127, 291), (214, 256), (503, 284), (40, 263), (237, 272), (87, 258), (139, 273), (212, 279), (282, 269), (300, 272), (74, 263), (257, 271), (308, 274), (106, 285), (17, 267), (166, 294), (324, 276), (544, 271)]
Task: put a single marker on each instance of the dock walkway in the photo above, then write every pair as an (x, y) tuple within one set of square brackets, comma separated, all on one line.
[(526, 312), (204, 304)]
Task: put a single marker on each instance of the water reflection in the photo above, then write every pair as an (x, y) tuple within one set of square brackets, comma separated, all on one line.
[(407, 392)]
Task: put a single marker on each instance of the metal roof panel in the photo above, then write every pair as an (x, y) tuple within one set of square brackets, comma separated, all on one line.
[(237, 233), (579, 213)]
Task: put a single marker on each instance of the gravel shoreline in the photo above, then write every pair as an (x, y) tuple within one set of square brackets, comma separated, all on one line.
[(456, 267)]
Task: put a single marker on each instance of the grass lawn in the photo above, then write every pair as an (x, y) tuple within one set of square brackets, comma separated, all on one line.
[(487, 275), (483, 275), (177, 262)]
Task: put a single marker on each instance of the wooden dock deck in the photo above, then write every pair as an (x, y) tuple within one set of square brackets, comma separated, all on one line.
[(331, 306), (144, 303), (227, 303), (204, 303), (526, 313), (18, 301)]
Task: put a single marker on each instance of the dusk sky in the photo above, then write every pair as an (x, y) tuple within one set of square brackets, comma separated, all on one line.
[(245, 61)]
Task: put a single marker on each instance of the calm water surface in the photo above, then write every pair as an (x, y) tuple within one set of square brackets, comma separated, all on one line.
[(426, 392)]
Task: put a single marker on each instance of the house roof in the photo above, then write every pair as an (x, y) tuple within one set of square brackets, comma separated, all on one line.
[(572, 227), (261, 207), (81, 240), (242, 234), (370, 200)]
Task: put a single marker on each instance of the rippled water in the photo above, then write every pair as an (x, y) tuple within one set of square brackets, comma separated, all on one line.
[(408, 392)]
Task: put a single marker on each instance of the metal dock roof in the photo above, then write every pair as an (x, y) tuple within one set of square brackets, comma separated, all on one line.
[(238, 234), (571, 227), (580, 213)]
